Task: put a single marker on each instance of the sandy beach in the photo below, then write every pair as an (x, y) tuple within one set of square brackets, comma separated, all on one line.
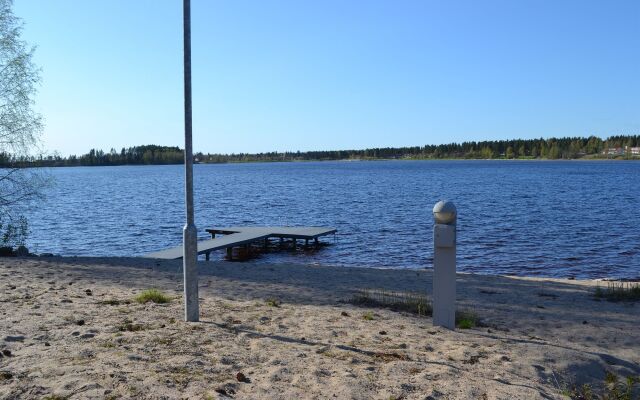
[(70, 329)]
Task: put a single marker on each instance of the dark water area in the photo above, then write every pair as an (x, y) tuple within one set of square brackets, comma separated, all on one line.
[(556, 219)]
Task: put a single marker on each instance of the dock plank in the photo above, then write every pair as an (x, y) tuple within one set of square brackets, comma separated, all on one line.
[(240, 235), (294, 232)]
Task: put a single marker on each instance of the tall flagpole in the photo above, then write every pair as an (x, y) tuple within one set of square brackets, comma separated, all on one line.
[(190, 246)]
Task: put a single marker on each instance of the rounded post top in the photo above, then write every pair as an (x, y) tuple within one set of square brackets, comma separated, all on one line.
[(444, 212)]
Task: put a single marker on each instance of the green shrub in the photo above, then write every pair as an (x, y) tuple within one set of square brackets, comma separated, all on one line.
[(13, 233)]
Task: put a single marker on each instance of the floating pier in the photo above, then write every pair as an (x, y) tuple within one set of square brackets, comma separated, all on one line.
[(237, 236)]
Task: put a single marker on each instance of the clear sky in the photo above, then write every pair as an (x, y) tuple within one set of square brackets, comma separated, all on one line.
[(302, 75)]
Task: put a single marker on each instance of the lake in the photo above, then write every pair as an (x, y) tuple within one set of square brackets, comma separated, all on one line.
[(541, 218)]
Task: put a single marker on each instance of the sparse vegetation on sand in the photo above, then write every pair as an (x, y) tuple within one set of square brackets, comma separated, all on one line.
[(152, 295), (129, 326), (273, 302), (110, 349), (368, 316), (466, 319), (415, 303), (614, 388), (619, 291), (115, 302)]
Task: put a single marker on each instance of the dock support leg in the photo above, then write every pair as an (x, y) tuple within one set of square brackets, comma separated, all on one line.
[(316, 242), (230, 253), (206, 256), (294, 242), (306, 243)]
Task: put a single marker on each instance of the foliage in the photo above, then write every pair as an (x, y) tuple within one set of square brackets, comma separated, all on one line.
[(13, 233), (137, 155), (553, 148), (20, 127), (152, 295)]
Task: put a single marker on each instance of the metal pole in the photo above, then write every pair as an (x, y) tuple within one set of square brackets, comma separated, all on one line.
[(444, 265), (190, 245)]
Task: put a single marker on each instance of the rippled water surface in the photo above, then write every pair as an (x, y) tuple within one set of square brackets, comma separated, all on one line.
[(561, 219)]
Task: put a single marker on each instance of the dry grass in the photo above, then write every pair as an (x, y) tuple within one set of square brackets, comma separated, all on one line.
[(619, 291), (273, 302), (613, 388), (415, 303)]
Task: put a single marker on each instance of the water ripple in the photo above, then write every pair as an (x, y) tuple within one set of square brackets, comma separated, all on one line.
[(556, 219)]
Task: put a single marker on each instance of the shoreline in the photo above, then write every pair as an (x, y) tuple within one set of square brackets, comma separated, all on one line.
[(581, 159), (377, 267), (538, 337)]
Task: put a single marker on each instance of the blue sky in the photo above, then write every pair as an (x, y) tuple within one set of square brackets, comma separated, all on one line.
[(304, 75)]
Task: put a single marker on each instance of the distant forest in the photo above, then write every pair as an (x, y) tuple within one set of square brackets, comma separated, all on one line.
[(614, 147)]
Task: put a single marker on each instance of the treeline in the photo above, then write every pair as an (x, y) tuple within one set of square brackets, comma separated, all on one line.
[(554, 148), (137, 155), (620, 147)]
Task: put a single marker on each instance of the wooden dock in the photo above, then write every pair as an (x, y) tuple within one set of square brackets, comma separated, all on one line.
[(236, 236)]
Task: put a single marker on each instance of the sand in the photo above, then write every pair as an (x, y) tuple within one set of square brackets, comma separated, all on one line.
[(73, 332)]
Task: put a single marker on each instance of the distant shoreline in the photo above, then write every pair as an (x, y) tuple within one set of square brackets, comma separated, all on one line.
[(566, 148), (635, 159)]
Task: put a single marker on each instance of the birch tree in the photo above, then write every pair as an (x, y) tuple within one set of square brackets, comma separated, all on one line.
[(20, 127)]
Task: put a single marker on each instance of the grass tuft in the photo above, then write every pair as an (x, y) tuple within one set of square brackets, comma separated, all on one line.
[(466, 320), (273, 302), (619, 291), (368, 316), (465, 324), (152, 295)]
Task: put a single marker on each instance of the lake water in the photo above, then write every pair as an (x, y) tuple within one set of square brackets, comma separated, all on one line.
[(560, 219)]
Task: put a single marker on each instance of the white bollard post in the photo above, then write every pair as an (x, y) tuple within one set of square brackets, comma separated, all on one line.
[(444, 264)]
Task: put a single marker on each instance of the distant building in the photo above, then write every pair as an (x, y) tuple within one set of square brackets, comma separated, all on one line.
[(622, 151), (614, 151)]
